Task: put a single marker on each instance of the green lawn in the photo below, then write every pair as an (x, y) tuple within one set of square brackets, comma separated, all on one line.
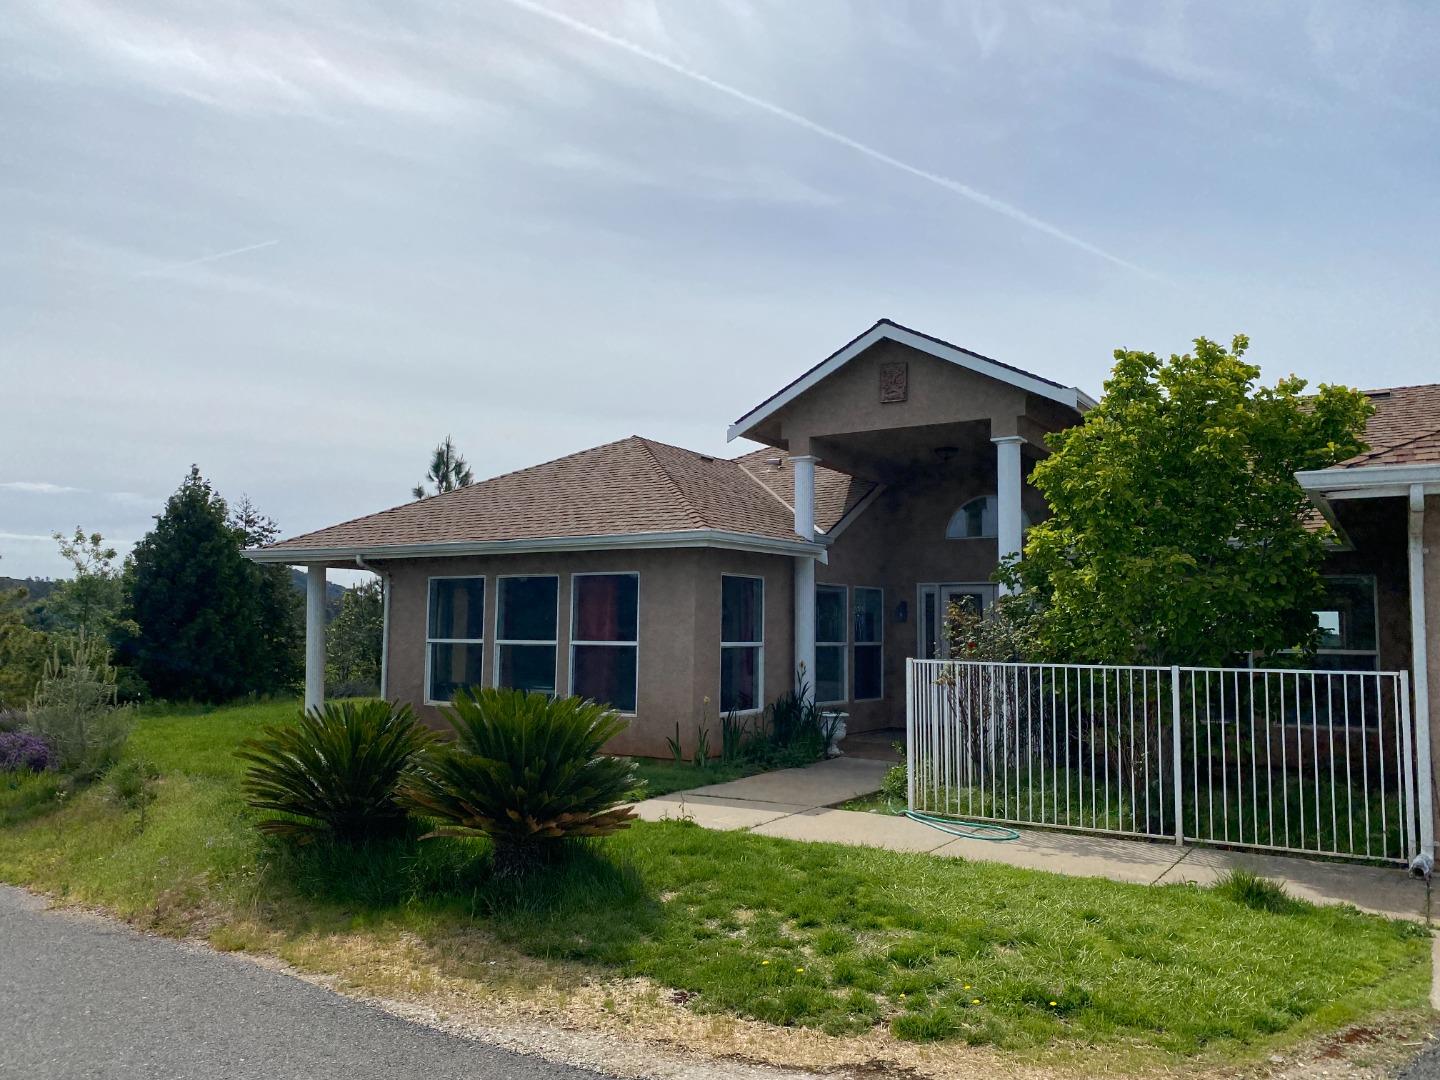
[(841, 939)]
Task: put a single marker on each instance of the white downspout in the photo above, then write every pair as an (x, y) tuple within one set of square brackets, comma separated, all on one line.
[(1420, 669)]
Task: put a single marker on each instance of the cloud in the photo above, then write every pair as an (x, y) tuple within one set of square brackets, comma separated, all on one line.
[(965, 191), (203, 259), (38, 487), (27, 538)]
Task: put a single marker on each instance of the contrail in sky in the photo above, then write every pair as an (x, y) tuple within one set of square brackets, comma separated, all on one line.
[(216, 257), (998, 206)]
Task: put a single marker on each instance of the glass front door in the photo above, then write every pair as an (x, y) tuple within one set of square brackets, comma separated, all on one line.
[(935, 601)]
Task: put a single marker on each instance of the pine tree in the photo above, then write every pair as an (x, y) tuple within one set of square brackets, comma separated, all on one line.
[(210, 625), (448, 471)]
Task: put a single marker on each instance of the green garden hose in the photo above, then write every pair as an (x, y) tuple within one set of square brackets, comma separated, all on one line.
[(965, 830)]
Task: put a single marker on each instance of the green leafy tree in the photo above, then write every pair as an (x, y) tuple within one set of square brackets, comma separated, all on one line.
[(90, 602), (1178, 532), (279, 607), (210, 624), (75, 708), (353, 641), (448, 471), (23, 652)]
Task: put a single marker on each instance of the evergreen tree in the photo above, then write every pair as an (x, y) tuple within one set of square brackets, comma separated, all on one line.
[(210, 625), (354, 641), (448, 471)]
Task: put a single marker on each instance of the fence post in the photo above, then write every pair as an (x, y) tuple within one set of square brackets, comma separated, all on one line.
[(910, 752), (1178, 792)]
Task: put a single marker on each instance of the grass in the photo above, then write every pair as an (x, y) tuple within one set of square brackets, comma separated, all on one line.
[(664, 777), (842, 939)]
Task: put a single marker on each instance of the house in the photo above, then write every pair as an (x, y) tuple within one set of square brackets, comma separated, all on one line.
[(678, 586)]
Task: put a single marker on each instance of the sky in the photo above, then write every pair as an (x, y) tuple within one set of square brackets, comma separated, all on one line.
[(298, 244)]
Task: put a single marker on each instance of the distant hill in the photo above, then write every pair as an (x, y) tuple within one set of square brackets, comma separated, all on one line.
[(35, 588)]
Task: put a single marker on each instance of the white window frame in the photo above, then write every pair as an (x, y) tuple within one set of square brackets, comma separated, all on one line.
[(574, 610), (425, 693), (1374, 584), (495, 674), (879, 643), (843, 645), (758, 645)]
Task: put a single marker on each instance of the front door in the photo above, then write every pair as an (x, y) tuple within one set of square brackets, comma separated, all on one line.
[(935, 601)]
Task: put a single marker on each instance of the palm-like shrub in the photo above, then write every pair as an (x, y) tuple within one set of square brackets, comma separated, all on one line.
[(336, 768), (527, 771)]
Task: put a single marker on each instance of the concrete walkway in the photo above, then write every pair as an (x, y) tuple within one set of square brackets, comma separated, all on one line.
[(796, 804)]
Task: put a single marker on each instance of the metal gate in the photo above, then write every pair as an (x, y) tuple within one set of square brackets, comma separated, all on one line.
[(1318, 762)]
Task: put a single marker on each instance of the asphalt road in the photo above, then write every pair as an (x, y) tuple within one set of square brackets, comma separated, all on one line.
[(83, 997)]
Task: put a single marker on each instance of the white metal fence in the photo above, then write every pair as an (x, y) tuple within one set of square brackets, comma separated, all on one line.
[(1321, 762)]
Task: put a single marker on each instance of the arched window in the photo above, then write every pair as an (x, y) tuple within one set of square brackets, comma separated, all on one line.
[(977, 520)]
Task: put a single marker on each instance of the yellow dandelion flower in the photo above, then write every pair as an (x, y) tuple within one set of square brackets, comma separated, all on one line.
[(1054, 1003), (974, 1001), (967, 986), (764, 962), (799, 971)]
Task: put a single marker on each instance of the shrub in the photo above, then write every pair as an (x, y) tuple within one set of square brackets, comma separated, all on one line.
[(74, 709), (336, 769), (23, 751), (1253, 891), (527, 771)]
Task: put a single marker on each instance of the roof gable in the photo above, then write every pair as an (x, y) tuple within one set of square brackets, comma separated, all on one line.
[(887, 330)]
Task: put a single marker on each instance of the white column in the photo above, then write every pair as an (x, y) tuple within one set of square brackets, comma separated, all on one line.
[(805, 575), (314, 636), (805, 625), (1420, 667), (1008, 478)]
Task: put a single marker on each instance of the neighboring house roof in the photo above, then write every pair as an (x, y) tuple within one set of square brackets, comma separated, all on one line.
[(889, 330), (1404, 428), (630, 488)]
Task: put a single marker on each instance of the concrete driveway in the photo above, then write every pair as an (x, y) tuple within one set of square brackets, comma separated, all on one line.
[(84, 997)]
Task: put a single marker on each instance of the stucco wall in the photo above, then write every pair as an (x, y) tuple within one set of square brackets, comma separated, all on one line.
[(938, 392), (679, 625)]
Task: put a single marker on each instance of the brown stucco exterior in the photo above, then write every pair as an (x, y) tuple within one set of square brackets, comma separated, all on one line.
[(679, 630)]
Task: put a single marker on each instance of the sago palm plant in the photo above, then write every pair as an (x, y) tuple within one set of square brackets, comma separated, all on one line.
[(527, 771), (336, 768)]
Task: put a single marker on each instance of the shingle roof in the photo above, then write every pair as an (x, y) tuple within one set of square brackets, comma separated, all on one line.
[(632, 486), (836, 493), (1404, 429)]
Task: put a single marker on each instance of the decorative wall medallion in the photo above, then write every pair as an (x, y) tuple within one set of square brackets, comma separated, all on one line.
[(894, 382)]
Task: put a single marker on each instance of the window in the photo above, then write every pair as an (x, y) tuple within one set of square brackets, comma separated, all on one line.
[(868, 617), (525, 620), (742, 642), (978, 519), (454, 636), (604, 638), (830, 642), (1348, 625)]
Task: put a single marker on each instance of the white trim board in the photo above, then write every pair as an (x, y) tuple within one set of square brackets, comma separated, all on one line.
[(1070, 396), (687, 538)]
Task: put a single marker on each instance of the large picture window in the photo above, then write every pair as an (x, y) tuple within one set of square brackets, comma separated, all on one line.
[(869, 636), (525, 622), (454, 636), (742, 643), (605, 638), (830, 644)]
